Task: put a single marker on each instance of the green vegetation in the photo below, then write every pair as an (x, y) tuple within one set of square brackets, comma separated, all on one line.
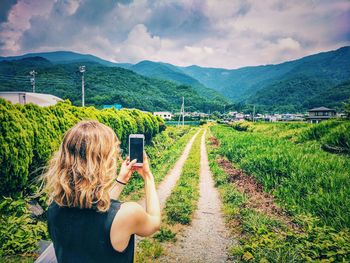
[(169, 72), (317, 80), (332, 135), (263, 237), (347, 108), (29, 134), (148, 250), (303, 177), (103, 85), (19, 232)]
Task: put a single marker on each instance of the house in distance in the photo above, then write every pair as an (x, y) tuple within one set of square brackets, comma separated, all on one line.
[(164, 114), (317, 115)]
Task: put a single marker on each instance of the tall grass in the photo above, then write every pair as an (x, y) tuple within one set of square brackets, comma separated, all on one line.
[(304, 178), (263, 238)]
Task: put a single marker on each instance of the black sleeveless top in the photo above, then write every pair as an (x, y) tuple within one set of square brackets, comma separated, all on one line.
[(83, 235)]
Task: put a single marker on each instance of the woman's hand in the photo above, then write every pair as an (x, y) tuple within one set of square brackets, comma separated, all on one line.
[(144, 170), (126, 170)]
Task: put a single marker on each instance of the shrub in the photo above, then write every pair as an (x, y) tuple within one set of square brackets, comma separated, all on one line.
[(29, 134), (19, 232)]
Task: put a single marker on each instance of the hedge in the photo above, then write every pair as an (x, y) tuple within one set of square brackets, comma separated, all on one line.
[(29, 134)]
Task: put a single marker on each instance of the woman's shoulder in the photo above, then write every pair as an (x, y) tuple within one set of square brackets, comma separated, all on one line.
[(130, 210)]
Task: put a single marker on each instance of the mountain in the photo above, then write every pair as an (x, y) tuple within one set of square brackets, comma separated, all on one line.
[(240, 84), (290, 86), (103, 85), (59, 57), (170, 72)]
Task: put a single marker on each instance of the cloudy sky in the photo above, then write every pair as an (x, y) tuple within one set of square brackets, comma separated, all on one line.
[(214, 33)]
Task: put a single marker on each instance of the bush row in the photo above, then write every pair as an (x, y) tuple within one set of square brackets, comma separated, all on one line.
[(29, 134)]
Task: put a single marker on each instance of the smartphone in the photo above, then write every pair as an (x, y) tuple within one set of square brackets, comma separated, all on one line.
[(136, 145)]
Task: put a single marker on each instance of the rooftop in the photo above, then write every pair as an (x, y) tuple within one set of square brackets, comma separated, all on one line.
[(321, 109)]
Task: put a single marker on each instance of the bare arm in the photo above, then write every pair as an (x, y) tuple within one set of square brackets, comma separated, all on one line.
[(123, 177), (132, 218), (149, 220)]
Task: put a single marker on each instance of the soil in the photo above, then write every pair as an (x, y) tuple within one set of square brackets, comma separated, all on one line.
[(214, 142), (258, 199), (206, 239)]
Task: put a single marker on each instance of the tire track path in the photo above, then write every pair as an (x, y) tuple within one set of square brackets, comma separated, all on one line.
[(206, 240), (165, 187)]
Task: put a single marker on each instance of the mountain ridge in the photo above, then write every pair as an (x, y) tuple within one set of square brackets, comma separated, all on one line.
[(247, 85), (103, 85)]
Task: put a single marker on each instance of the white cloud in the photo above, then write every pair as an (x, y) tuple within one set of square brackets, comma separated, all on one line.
[(225, 33)]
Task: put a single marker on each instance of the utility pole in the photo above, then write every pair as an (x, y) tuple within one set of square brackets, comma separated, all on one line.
[(182, 112), (253, 112), (32, 79), (82, 70)]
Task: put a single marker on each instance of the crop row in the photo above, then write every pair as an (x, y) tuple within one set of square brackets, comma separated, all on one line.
[(332, 135), (304, 178), (263, 238)]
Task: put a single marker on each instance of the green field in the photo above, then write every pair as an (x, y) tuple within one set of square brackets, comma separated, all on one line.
[(310, 184)]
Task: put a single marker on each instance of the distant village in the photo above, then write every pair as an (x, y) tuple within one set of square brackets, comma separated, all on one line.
[(314, 115)]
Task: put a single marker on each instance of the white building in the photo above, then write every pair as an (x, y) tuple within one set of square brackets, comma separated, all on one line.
[(239, 116), (232, 113), (22, 97), (164, 114)]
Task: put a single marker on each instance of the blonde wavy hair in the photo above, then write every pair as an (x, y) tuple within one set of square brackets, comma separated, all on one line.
[(83, 170)]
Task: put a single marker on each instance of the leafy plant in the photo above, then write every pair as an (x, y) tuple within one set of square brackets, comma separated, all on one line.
[(19, 232), (164, 234)]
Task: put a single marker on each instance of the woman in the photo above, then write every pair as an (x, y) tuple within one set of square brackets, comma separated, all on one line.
[(86, 221)]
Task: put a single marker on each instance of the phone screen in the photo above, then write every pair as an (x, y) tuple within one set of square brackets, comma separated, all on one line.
[(136, 149)]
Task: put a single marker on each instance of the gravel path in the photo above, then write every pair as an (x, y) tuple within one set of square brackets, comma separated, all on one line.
[(206, 239), (165, 187)]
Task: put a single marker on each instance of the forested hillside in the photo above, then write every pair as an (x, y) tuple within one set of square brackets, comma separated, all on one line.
[(316, 80), (103, 85), (240, 83), (165, 71)]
